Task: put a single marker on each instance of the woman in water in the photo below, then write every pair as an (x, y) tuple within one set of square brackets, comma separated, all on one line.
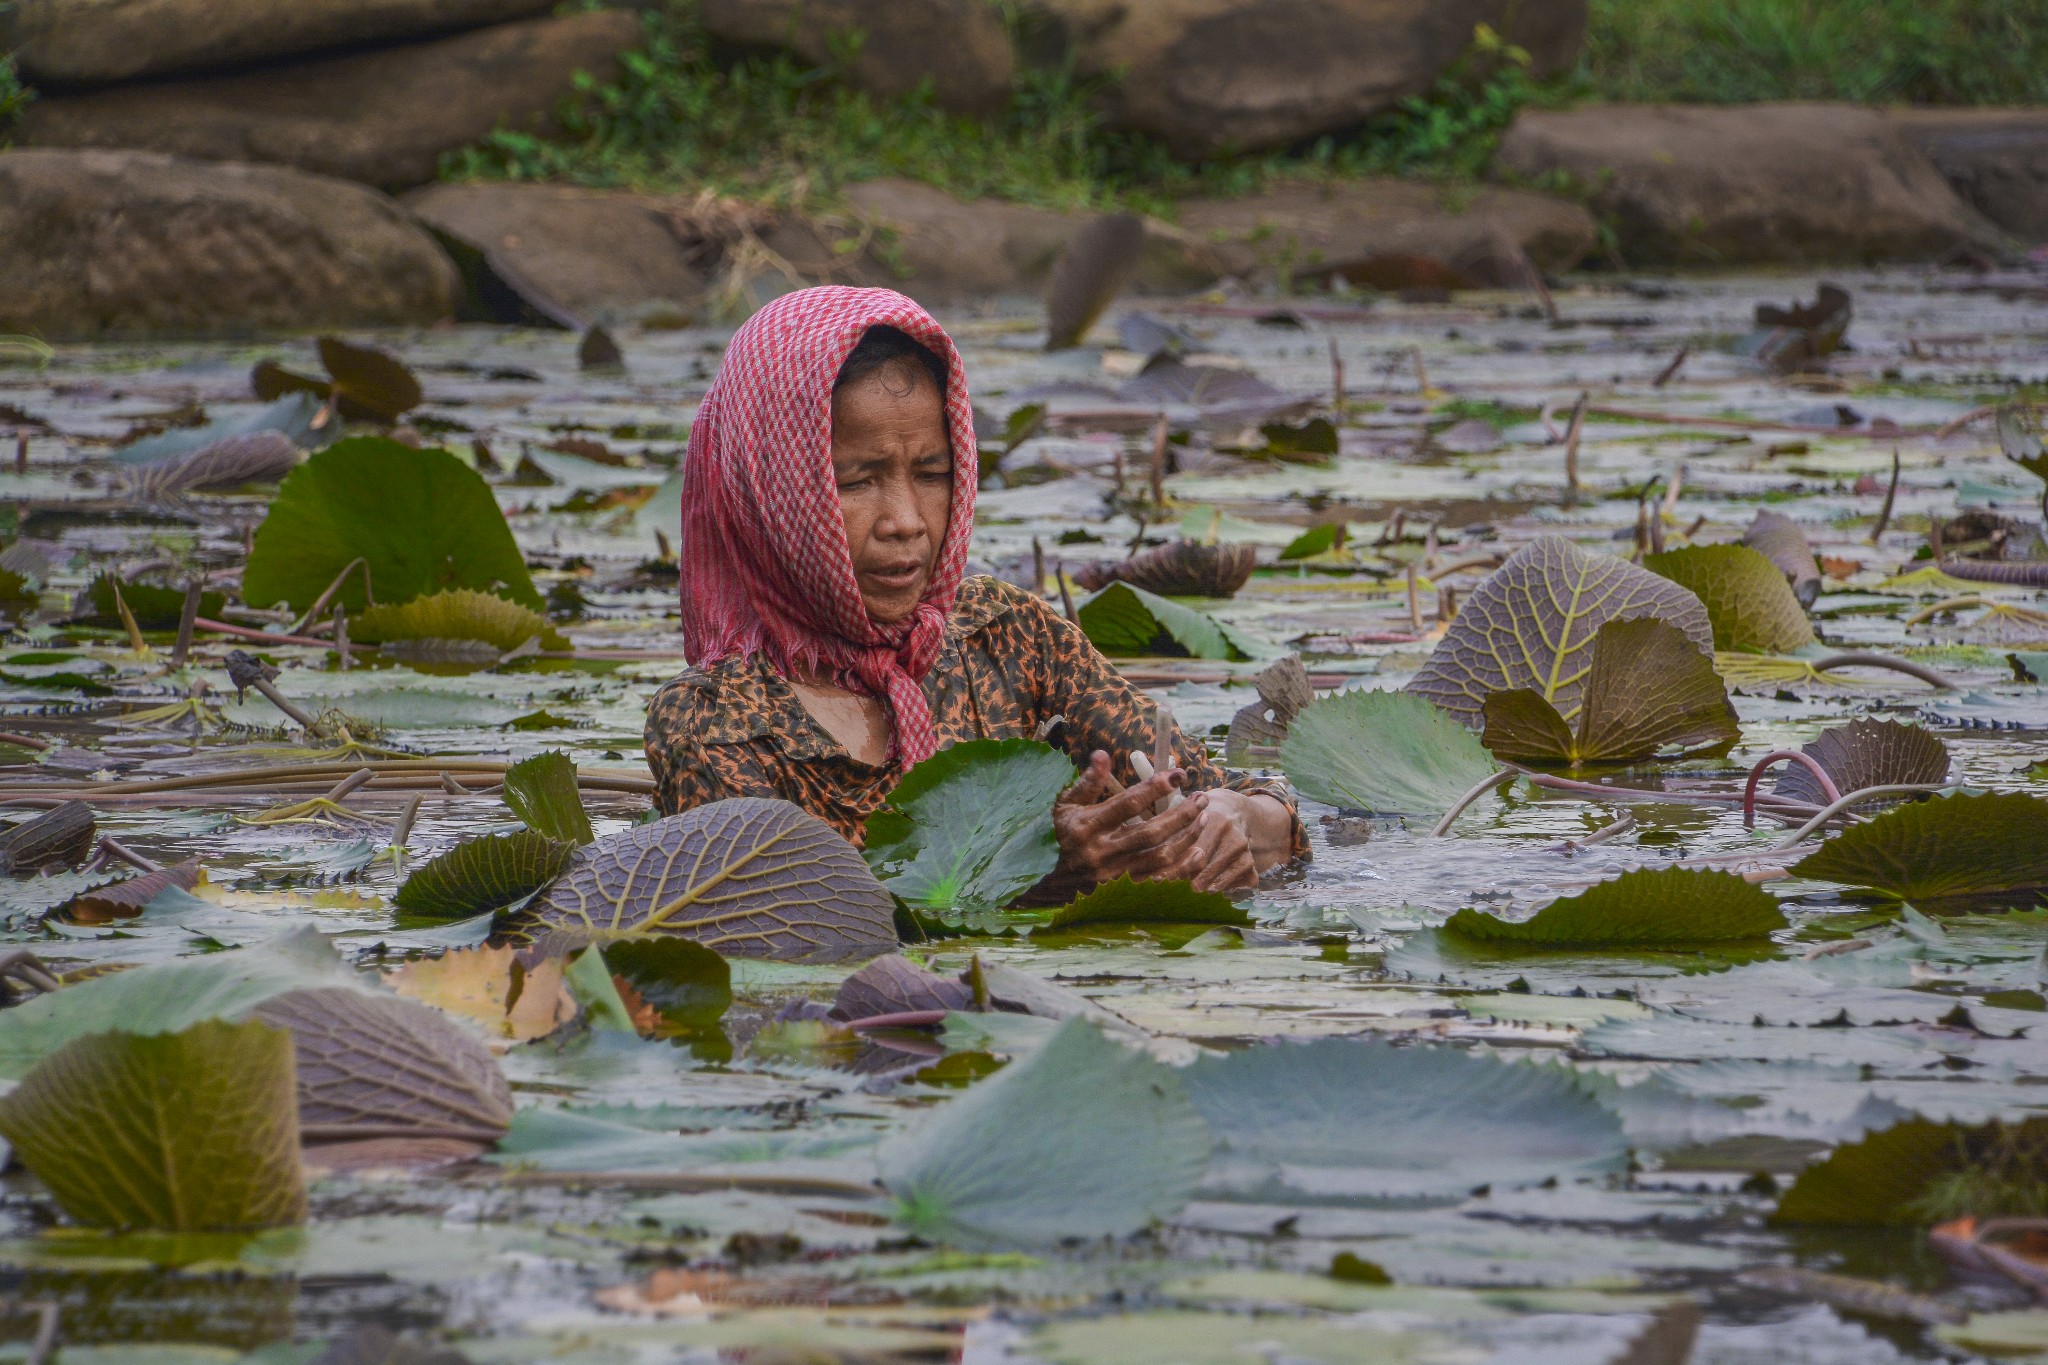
[(828, 501)]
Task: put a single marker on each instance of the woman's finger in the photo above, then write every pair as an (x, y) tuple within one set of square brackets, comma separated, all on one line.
[(1150, 831), (1096, 784), (1136, 803), (1170, 859)]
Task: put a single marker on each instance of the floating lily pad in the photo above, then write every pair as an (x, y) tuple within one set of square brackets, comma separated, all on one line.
[(166, 997), (193, 1131), (1748, 599), (970, 828), (1647, 908), (1083, 1138), (1921, 1172), (1391, 753), (1124, 901), (1532, 625), (1340, 1120), (422, 520), (1952, 852), (1646, 690)]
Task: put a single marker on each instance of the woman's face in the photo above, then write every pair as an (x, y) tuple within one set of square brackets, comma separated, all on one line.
[(894, 466)]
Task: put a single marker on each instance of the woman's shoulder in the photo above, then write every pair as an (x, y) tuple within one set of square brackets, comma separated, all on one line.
[(722, 703), (985, 602)]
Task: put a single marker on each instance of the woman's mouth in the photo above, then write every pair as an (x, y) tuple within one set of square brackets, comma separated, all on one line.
[(900, 575)]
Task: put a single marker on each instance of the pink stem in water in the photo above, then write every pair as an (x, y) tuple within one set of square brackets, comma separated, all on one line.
[(1756, 775)]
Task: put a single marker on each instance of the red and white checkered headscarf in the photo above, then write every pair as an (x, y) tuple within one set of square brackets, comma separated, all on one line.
[(765, 564)]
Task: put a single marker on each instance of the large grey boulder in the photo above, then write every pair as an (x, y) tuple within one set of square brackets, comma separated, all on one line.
[(578, 256), (100, 244), (1741, 184), (90, 42), (1384, 232), (1206, 76), (1997, 160), (384, 117), (961, 46), (941, 250)]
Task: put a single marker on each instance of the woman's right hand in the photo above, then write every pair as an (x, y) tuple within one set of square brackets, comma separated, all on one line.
[(1107, 830)]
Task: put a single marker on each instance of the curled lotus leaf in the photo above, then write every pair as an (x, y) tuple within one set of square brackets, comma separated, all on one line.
[(1989, 848), (1867, 753), (1258, 729), (1648, 907), (1748, 600), (372, 1065), (746, 877), (1648, 690), (1533, 622), (1186, 568)]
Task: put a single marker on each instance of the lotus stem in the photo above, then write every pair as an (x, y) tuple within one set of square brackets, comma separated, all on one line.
[(1891, 493), (113, 848), (403, 829), (330, 590), (349, 784), (24, 741), (430, 769), (1620, 827), (1670, 372), (1499, 779), (1906, 666), (188, 618), (1830, 811), (261, 637), (1756, 773), (1926, 614)]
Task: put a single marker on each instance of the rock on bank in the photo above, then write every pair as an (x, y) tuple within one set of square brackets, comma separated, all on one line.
[(107, 244)]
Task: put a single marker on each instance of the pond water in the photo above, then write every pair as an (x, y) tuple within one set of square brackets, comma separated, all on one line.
[(1730, 1071)]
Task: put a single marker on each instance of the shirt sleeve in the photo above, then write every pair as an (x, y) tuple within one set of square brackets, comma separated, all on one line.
[(1103, 710)]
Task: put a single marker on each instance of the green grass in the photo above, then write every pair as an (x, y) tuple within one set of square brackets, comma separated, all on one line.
[(1877, 51), (772, 130), (14, 96)]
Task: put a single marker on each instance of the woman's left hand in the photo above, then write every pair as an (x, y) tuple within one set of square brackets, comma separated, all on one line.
[(1221, 859)]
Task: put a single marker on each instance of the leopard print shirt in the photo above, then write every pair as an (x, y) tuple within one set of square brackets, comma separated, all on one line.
[(1008, 665)]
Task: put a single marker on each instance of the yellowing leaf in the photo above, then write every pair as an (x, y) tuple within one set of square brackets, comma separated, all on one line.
[(1747, 597), (184, 1132), (490, 986), (457, 614)]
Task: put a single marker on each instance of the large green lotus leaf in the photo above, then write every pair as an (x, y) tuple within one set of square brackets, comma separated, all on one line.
[(542, 792), (1747, 597), (1875, 1179), (1533, 621), (1648, 690), (194, 1131), (422, 519), (1867, 753), (1646, 908), (1124, 901), (1392, 753), (166, 997), (376, 1065), (1083, 1138), (1990, 846), (1127, 622), (457, 614), (481, 874), (746, 877), (1341, 1120), (970, 828)]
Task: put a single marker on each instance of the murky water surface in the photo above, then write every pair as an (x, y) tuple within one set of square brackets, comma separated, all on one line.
[(1715, 1051)]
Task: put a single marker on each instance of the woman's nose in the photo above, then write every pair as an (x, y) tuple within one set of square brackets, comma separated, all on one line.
[(899, 517)]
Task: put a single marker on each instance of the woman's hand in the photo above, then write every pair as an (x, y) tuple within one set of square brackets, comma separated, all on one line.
[(1108, 831)]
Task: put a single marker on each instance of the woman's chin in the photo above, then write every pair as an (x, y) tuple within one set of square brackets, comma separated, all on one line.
[(890, 606)]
